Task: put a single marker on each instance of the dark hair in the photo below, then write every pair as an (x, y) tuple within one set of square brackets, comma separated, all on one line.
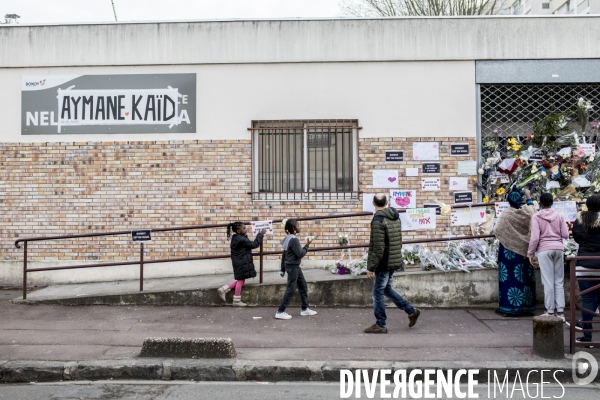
[(590, 217), (233, 228), (291, 225), (546, 199), (380, 202)]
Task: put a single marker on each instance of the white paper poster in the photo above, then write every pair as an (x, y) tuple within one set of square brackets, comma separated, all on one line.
[(466, 216), (418, 218), (457, 184), (568, 209), (499, 177), (258, 226), (412, 171), (467, 167), (385, 178), (403, 198), (426, 151), (368, 202), (430, 184), (588, 148), (501, 206)]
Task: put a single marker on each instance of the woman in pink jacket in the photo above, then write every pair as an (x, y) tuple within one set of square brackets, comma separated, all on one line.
[(548, 228)]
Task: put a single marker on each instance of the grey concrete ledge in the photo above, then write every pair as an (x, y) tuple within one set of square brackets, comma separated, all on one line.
[(243, 370), (188, 347)]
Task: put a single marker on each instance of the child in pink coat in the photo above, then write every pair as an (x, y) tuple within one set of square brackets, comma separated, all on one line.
[(548, 229)]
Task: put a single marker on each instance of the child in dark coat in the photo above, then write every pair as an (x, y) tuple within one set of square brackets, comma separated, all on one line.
[(241, 259)]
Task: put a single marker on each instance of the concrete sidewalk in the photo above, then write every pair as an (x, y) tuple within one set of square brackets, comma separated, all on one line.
[(91, 334)]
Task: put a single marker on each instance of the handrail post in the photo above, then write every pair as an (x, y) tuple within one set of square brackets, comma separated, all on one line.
[(261, 262), (25, 270), (141, 267), (572, 305)]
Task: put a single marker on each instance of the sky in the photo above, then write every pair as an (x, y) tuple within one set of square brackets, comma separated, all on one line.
[(56, 11)]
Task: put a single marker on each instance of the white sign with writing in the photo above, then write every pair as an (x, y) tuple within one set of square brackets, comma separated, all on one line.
[(588, 148), (403, 198), (459, 183), (368, 202), (501, 206), (568, 209), (467, 167), (426, 151), (385, 178), (499, 177), (430, 184), (258, 226), (467, 216), (418, 218)]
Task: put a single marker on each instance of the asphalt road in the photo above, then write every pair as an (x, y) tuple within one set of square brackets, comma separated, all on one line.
[(228, 391)]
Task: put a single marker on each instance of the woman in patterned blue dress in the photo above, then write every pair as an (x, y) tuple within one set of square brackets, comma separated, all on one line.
[(516, 275)]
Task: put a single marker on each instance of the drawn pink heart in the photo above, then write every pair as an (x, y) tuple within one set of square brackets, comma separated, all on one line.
[(391, 179), (127, 113), (482, 214), (454, 183), (402, 201)]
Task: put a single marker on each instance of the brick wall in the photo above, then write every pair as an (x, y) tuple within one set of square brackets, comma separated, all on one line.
[(89, 187)]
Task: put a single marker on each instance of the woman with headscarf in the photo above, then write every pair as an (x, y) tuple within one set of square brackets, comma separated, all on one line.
[(586, 232), (516, 275)]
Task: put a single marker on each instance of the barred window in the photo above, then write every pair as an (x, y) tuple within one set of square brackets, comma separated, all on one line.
[(304, 159)]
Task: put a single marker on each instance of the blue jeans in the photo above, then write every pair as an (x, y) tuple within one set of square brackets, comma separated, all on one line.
[(382, 286), (590, 301)]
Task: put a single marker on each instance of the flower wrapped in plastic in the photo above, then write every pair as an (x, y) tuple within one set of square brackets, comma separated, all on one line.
[(343, 240), (359, 267), (411, 255)]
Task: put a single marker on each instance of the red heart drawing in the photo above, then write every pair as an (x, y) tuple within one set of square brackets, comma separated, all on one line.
[(482, 214), (127, 113), (402, 201), (391, 179)]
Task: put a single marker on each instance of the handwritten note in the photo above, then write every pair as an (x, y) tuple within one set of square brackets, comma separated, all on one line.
[(368, 202), (458, 184), (568, 209), (426, 151), (385, 178), (430, 184), (501, 206), (403, 198), (258, 226), (467, 216), (418, 218)]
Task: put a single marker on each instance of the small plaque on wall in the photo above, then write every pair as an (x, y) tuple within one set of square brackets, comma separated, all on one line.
[(394, 155), (459, 149), (463, 197), (431, 168)]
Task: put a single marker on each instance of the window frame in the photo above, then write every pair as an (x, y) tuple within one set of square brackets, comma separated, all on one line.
[(306, 125)]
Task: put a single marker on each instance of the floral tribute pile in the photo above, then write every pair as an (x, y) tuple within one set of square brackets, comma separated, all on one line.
[(554, 157)]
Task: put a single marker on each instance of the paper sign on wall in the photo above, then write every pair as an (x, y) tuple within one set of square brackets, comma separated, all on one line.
[(430, 184), (467, 167), (385, 178), (258, 226), (368, 202), (418, 218), (457, 184), (498, 177), (424, 151), (466, 216), (412, 171), (568, 209), (403, 199), (501, 206)]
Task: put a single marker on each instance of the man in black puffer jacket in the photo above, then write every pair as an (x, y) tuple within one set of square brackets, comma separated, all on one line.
[(385, 257)]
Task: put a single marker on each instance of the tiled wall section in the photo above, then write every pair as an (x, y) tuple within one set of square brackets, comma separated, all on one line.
[(50, 189)]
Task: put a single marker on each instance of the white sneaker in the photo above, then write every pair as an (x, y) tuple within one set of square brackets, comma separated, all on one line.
[(282, 315), (308, 311), (561, 316), (547, 314)]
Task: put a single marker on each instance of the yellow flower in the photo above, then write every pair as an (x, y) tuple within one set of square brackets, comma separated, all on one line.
[(486, 199), (584, 208), (500, 191)]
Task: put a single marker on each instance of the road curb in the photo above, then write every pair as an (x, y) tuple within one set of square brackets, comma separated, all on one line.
[(245, 370)]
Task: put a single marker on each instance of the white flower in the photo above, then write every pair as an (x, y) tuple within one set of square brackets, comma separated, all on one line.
[(591, 159), (544, 174), (480, 171)]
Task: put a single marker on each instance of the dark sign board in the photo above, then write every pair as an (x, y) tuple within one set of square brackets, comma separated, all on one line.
[(141, 235), (431, 168), (463, 197), (394, 155), (537, 155), (438, 209), (459, 149)]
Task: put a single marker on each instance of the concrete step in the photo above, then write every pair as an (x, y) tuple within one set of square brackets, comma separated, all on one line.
[(478, 288)]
